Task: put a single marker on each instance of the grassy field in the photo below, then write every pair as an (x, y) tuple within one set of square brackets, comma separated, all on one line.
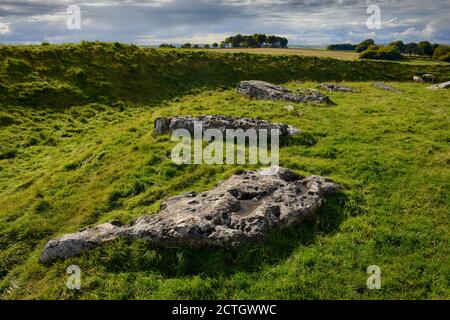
[(68, 75), (66, 166), (344, 55), (335, 54)]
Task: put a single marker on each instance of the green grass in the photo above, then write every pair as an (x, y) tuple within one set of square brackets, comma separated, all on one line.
[(68, 75), (421, 61), (77, 149), (390, 151)]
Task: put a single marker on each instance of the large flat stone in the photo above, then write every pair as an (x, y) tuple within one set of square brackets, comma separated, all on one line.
[(219, 122), (239, 210), (386, 87), (333, 87), (267, 91), (444, 85)]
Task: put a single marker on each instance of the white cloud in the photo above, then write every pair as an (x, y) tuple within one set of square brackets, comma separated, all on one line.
[(206, 21), (4, 28), (49, 18), (198, 38), (437, 31)]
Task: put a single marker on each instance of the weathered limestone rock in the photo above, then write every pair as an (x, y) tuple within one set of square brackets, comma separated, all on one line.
[(289, 108), (241, 209), (336, 87), (162, 125), (266, 91), (385, 87), (220, 122), (428, 77), (444, 85)]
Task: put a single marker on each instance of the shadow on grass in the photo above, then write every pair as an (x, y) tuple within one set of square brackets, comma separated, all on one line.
[(306, 139), (137, 256)]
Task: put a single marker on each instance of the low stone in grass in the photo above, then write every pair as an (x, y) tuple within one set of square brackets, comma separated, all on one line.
[(385, 87), (444, 85), (267, 91), (219, 122), (428, 77), (289, 108), (336, 87), (241, 209)]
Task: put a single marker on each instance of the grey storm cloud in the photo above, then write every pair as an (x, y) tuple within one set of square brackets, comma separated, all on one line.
[(206, 21)]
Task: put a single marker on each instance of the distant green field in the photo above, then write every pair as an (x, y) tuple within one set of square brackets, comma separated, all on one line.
[(344, 55), (317, 52), (77, 149)]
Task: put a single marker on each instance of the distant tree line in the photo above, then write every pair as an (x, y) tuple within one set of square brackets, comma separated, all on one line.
[(240, 41), (196, 46), (254, 41), (184, 46), (166, 45), (342, 46), (424, 48), (367, 49)]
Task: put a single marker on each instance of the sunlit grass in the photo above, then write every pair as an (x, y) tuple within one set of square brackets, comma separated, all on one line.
[(344, 55), (87, 164)]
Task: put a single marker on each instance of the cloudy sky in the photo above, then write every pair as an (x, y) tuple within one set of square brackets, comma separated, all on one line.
[(307, 22)]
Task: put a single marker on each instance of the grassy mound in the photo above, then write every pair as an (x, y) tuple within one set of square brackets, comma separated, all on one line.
[(67, 75)]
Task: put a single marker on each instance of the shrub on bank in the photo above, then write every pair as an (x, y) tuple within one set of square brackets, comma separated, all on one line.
[(442, 53), (95, 72), (381, 53)]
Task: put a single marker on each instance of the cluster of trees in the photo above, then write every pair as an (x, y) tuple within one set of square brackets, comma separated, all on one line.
[(364, 45), (367, 49), (240, 41), (342, 46), (166, 45), (187, 46), (196, 46), (442, 52), (254, 41), (424, 48), (394, 50), (381, 53)]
